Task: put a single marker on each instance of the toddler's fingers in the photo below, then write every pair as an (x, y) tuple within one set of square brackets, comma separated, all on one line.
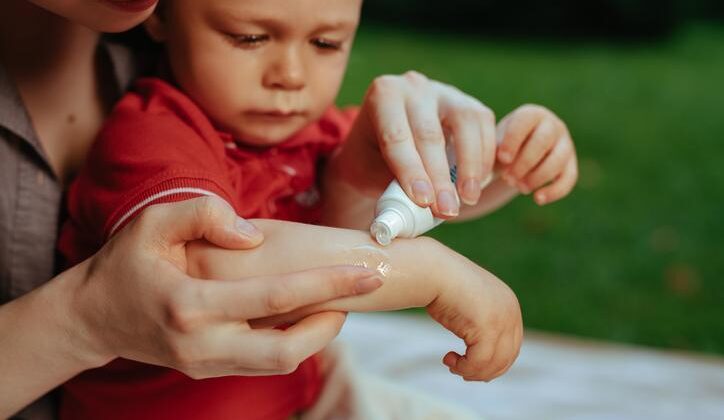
[(561, 186), (535, 149), (511, 349), (388, 115), (551, 167), (476, 363), (450, 359), (517, 128), (430, 143)]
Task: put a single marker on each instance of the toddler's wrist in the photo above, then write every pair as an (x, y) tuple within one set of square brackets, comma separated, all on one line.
[(435, 266)]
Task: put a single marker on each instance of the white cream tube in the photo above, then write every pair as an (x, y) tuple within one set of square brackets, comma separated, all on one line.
[(397, 215)]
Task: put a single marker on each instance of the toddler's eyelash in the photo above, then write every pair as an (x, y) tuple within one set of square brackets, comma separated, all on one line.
[(248, 40), (326, 44), (255, 40)]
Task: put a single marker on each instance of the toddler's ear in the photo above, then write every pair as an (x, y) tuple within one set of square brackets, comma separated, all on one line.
[(156, 27)]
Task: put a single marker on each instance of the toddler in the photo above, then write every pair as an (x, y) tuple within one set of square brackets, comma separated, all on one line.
[(244, 111)]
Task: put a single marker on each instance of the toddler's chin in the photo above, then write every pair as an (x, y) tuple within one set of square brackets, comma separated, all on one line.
[(264, 138)]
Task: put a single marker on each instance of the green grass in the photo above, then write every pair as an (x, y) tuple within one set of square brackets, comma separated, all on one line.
[(636, 253)]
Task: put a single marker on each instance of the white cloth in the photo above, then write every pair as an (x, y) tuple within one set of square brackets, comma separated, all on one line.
[(349, 393), (554, 377)]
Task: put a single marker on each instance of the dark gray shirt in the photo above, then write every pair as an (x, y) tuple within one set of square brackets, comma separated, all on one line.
[(30, 197)]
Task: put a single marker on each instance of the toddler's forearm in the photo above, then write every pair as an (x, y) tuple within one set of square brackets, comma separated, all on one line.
[(408, 268)]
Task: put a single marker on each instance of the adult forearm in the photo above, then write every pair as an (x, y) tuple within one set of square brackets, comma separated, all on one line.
[(408, 268), (41, 344)]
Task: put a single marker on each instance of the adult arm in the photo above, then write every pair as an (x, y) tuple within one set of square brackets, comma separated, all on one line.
[(129, 300)]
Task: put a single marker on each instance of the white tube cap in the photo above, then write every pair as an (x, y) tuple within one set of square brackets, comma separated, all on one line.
[(387, 226)]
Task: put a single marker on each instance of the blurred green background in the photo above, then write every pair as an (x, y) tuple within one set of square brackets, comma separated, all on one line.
[(635, 254)]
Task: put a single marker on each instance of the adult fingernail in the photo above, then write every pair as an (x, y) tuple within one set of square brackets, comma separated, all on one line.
[(367, 284), (488, 179), (447, 204), (245, 228), (422, 190), (471, 191), (540, 198)]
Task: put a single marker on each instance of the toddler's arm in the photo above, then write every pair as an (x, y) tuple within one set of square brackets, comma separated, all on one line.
[(287, 247), (467, 300)]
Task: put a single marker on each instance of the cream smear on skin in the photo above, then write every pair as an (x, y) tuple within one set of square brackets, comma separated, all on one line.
[(369, 256)]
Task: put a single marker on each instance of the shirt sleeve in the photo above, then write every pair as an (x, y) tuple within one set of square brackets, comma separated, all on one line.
[(138, 160)]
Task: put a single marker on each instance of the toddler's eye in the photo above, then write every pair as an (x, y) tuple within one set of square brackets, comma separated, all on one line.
[(326, 44), (248, 40)]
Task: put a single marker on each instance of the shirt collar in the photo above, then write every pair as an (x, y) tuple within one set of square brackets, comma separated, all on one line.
[(123, 64), (14, 116)]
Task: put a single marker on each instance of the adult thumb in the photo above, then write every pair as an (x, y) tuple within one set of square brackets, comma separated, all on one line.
[(209, 218)]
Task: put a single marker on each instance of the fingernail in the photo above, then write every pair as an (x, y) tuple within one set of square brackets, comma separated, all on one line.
[(246, 228), (367, 284), (447, 204), (422, 190), (540, 198), (471, 191), (484, 183), (504, 156)]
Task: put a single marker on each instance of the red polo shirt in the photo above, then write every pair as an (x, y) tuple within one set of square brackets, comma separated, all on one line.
[(158, 147)]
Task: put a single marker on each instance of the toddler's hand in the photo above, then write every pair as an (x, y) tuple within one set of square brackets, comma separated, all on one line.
[(537, 154), (485, 313), (406, 120)]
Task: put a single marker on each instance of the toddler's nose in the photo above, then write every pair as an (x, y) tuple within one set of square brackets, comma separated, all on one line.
[(287, 72)]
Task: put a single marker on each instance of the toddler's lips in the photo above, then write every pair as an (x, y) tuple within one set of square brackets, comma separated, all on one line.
[(132, 5), (275, 114)]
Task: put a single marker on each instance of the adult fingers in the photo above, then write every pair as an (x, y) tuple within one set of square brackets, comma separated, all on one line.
[(235, 351), (472, 126), (388, 115), (552, 165), (535, 149), (430, 144), (469, 156), (490, 145), (518, 127), (561, 186), (215, 300), (207, 217), (469, 125)]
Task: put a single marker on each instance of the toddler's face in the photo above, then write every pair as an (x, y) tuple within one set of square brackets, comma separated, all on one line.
[(260, 69)]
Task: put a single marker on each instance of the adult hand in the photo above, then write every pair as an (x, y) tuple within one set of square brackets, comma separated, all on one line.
[(137, 302), (407, 118)]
